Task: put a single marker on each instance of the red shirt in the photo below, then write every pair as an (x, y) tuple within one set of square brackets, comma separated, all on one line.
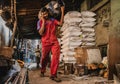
[(49, 37)]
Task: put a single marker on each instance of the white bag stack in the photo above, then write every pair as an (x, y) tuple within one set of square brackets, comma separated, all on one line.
[(78, 31), (87, 27), (71, 35)]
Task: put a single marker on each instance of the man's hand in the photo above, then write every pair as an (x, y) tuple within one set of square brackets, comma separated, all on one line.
[(42, 17), (41, 31)]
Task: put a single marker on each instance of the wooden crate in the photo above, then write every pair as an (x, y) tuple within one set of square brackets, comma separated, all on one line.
[(87, 55)]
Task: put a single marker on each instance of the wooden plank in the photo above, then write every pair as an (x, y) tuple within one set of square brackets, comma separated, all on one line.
[(99, 5), (22, 76), (31, 4), (15, 24)]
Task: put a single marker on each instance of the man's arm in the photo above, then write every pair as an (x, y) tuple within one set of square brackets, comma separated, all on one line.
[(42, 28), (62, 16), (62, 6)]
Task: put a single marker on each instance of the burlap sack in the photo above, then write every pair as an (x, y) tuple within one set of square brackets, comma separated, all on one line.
[(6, 51)]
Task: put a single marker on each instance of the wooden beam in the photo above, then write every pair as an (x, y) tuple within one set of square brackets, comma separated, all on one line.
[(99, 5), (25, 9), (29, 5), (15, 23)]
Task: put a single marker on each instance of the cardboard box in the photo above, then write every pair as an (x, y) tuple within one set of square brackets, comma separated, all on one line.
[(88, 55), (6, 52)]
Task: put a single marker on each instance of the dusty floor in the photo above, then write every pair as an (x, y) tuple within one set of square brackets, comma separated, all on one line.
[(34, 78)]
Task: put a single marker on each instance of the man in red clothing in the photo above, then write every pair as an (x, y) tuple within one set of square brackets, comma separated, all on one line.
[(49, 42)]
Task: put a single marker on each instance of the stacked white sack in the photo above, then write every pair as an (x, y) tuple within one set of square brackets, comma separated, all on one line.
[(87, 27), (71, 35)]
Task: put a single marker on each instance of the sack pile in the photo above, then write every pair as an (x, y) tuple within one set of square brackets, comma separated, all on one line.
[(70, 36), (87, 27), (77, 30)]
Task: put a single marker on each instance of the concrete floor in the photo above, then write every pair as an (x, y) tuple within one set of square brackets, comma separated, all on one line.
[(34, 78)]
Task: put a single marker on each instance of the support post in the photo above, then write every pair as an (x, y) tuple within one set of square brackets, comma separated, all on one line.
[(114, 38), (15, 20)]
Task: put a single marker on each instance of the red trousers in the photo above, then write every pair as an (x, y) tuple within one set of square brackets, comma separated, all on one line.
[(55, 50)]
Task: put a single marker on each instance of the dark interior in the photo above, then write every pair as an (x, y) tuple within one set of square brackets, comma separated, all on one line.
[(27, 12)]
